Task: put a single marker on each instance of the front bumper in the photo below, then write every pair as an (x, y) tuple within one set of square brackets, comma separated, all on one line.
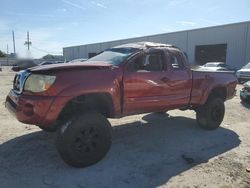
[(37, 110)]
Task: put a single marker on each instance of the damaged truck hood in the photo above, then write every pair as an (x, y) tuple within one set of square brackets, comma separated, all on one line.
[(70, 66)]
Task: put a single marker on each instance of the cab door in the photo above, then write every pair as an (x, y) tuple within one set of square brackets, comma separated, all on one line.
[(179, 80), (145, 83), (156, 81)]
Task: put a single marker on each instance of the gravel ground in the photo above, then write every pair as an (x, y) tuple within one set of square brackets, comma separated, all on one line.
[(148, 150)]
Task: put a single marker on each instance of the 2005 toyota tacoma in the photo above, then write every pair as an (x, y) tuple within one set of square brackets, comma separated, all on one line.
[(75, 99)]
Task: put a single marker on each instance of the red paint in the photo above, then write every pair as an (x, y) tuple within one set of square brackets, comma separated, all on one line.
[(131, 92)]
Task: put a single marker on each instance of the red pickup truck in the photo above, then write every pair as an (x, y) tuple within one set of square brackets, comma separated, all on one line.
[(77, 98)]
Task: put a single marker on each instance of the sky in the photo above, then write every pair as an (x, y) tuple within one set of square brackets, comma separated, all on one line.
[(54, 24)]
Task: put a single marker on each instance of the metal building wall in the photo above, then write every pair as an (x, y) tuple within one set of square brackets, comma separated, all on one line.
[(232, 35), (75, 52), (236, 36), (247, 48)]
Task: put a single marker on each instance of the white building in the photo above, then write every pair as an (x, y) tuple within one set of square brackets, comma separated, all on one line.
[(228, 43)]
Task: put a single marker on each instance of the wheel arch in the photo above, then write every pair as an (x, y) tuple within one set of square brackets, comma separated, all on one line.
[(219, 91), (100, 102)]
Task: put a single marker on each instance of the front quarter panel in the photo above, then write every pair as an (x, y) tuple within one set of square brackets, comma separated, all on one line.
[(76, 83)]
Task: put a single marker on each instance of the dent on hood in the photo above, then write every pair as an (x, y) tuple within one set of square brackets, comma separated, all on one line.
[(70, 66)]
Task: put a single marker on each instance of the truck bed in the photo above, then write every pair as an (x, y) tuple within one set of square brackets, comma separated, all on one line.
[(205, 80)]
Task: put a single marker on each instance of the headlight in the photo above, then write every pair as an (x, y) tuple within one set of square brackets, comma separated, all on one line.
[(38, 82)]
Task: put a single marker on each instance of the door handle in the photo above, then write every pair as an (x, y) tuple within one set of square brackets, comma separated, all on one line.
[(164, 79)]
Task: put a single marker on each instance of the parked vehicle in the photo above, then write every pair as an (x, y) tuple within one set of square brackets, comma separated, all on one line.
[(243, 74), (23, 64), (77, 60), (46, 63), (217, 66), (59, 62), (245, 92), (77, 98), (50, 62)]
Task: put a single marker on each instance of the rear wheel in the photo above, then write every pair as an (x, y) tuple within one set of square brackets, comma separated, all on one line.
[(210, 115), (84, 140)]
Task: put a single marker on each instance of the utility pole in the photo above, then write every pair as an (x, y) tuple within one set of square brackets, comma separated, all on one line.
[(7, 54), (14, 45), (28, 38), (28, 43)]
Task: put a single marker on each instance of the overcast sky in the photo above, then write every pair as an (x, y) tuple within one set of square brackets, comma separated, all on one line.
[(54, 24)]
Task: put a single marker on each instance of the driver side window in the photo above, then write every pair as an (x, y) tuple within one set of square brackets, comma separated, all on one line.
[(148, 62)]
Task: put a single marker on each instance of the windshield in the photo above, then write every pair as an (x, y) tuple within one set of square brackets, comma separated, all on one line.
[(222, 65), (247, 66), (114, 56)]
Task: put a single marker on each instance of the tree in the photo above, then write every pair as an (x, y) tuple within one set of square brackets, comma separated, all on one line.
[(48, 57), (2, 54)]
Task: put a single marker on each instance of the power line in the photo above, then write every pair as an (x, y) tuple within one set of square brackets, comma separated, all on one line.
[(45, 51), (28, 43)]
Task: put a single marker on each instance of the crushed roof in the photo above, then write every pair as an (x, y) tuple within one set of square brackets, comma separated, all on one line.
[(144, 45)]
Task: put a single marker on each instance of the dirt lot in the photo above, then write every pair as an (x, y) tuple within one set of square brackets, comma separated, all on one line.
[(148, 150)]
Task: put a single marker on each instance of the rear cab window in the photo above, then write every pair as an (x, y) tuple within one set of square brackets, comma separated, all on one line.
[(176, 60)]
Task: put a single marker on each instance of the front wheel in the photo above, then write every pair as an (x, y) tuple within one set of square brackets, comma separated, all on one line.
[(210, 115), (84, 140)]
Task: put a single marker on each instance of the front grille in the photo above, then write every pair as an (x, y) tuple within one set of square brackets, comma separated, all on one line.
[(19, 81), (16, 83)]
